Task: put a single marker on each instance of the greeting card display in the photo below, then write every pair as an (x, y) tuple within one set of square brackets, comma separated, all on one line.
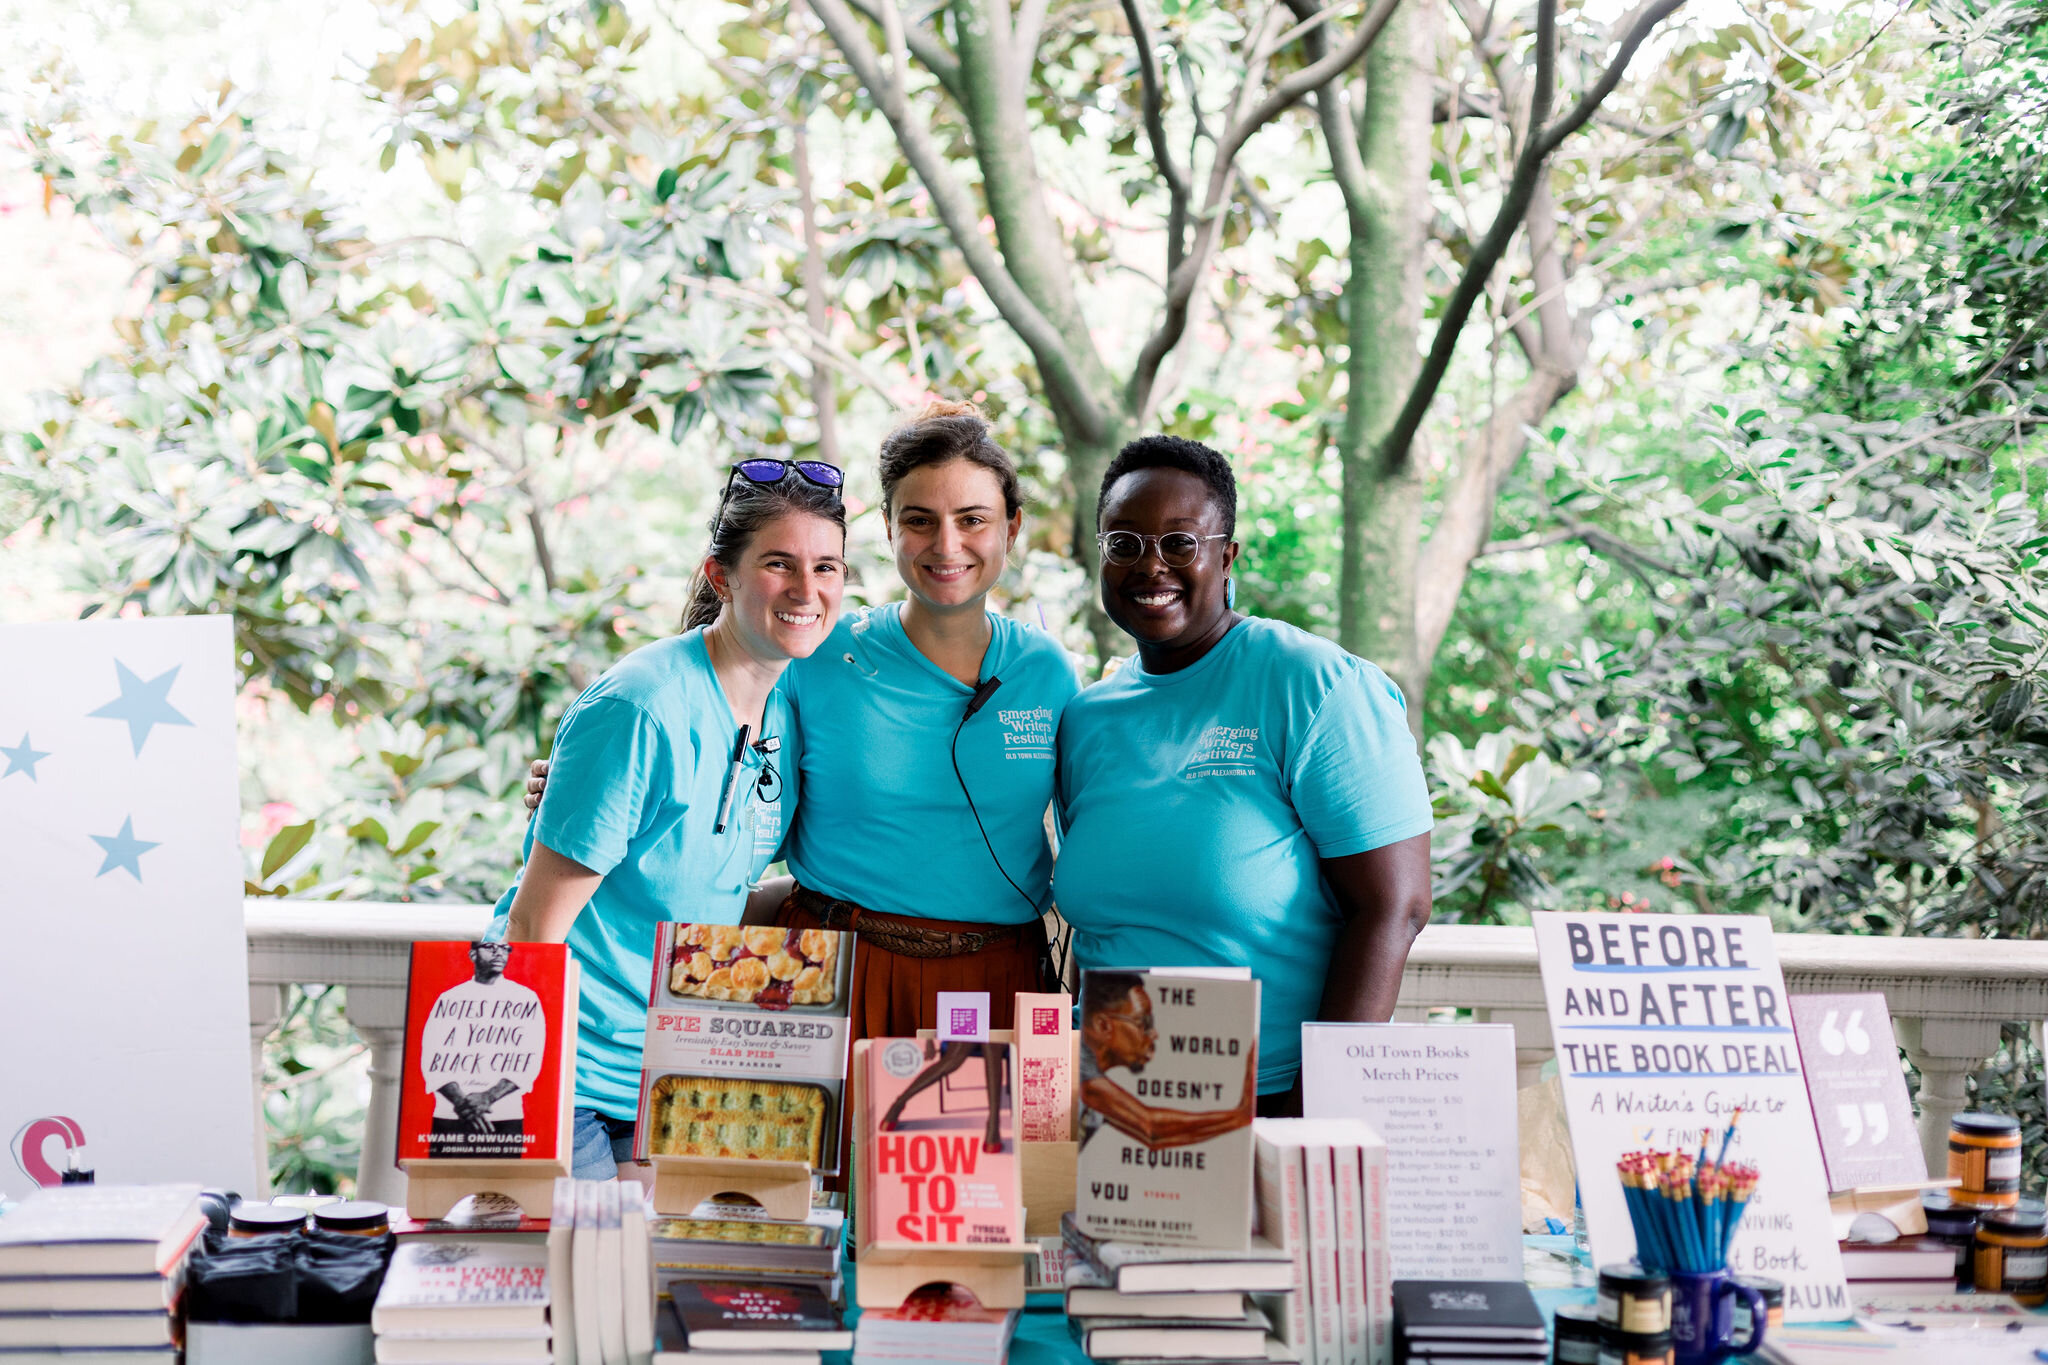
[(488, 1081), (744, 1066), (1858, 1090)]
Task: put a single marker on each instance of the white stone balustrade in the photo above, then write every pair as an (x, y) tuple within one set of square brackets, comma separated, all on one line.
[(1947, 996)]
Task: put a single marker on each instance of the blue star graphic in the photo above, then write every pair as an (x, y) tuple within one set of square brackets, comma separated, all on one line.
[(23, 759), (142, 704), (123, 850)]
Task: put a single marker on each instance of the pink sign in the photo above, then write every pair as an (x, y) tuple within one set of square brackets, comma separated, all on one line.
[(1858, 1090), (963, 1016)]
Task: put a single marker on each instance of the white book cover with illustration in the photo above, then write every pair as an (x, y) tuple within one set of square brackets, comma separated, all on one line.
[(1168, 1083)]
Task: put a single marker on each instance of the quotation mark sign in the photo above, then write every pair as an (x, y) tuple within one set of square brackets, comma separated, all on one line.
[(1852, 1037), (1871, 1118)]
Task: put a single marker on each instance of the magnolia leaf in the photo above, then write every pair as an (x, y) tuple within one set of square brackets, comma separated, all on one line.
[(284, 846)]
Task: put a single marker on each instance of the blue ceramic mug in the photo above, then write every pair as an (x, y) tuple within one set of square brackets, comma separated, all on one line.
[(1703, 1318)]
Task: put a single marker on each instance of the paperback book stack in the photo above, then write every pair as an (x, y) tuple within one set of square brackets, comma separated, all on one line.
[(938, 1323), (739, 1243), (1468, 1322), (1321, 1191), (1910, 1265), (601, 1267), (446, 1300), (92, 1273), (1131, 1301), (730, 1322)]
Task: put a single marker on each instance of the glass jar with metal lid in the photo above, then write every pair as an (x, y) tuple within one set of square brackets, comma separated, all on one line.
[(2012, 1252), (356, 1217), (258, 1220)]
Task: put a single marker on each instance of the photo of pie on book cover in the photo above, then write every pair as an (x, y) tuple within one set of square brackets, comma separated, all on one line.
[(489, 1039), (746, 1044)]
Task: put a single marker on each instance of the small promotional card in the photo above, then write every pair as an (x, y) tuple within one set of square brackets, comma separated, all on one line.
[(963, 1016)]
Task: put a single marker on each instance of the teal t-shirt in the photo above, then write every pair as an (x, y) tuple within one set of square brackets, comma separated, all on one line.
[(639, 763), (887, 826), (1196, 807)]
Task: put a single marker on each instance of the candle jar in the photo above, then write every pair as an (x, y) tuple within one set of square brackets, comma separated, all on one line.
[(1575, 1335), (1633, 1299), (1984, 1154), (258, 1220), (355, 1217), (1634, 1348), (1955, 1226), (2012, 1252)]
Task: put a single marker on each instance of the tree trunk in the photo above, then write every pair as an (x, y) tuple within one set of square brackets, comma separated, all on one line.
[(1383, 299), (1085, 464)]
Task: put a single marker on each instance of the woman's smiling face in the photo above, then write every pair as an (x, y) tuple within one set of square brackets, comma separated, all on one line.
[(783, 595), (950, 532), (1162, 607)]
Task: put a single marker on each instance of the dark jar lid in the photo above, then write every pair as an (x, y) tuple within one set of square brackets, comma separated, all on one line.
[(1985, 1125), (1578, 1322), (1773, 1291), (352, 1215), (266, 1218), (1630, 1277), (1946, 1217), (2027, 1216)]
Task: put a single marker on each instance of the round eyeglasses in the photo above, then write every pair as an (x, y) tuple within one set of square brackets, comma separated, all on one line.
[(1177, 549)]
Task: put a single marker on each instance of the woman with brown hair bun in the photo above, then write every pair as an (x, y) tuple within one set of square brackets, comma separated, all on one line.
[(927, 730), (928, 736)]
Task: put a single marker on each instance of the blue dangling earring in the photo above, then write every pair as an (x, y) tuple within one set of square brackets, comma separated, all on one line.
[(1230, 593)]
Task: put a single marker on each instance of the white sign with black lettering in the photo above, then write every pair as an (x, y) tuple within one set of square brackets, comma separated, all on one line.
[(1442, 1096), (1665, 1025)]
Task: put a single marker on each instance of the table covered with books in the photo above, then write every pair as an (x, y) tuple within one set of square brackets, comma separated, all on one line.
[(1718, 1170)]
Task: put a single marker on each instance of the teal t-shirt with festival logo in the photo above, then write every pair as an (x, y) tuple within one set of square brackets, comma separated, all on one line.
[(1196, 808), (888, 826), (634, 781)]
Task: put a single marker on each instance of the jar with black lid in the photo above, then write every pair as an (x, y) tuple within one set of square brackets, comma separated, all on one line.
[(356, 1217), (1984, 1155), (1634, 1348), (2011, 1255), (1633, 1299), (1954, 1225), (1575, 1335), (257, 1220)]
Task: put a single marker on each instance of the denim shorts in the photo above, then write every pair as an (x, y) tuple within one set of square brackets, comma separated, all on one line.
[(601, 1144)]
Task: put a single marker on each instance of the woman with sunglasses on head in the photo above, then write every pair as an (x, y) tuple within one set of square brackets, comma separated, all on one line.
[(929, 727), (1243, 793), (672, 773)]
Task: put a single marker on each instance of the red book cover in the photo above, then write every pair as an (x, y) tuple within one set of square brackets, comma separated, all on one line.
[(490, 1033), (942, 1146)]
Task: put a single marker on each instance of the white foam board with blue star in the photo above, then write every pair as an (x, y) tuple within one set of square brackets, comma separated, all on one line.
[(124, 1002)]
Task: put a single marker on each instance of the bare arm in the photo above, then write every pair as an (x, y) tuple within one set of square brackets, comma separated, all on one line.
[(1383, 895), (552, 892), (1158, 1128)]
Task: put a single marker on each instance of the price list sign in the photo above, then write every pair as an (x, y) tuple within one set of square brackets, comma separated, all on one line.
[(1442, 1097), (1665, 1026)]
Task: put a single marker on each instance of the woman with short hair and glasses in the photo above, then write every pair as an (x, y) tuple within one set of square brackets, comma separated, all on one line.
[(1243, 793), (672, 775)]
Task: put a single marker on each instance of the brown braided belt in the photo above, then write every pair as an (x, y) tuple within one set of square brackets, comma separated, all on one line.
[(904, 937)]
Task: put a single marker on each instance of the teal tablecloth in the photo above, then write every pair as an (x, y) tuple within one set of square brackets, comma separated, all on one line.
[(1043, 1339)]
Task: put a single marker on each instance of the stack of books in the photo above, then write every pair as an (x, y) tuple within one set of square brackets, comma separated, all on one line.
[(730, 1322), (937, 1323), (1131, 1301), (1910, 1265), (1468, 1322), (474, 1301), (87, 1269), (1321, 1192), (739, 1242)]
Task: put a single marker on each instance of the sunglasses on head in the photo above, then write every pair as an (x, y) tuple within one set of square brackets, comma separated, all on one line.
[(769, 472)]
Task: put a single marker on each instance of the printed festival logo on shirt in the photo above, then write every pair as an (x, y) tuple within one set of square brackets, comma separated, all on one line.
[(1224, 751), (1027, 731)]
